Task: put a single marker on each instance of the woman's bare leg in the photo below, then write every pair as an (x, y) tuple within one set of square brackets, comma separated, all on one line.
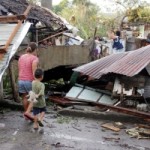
[(27, 106), (25, 101)]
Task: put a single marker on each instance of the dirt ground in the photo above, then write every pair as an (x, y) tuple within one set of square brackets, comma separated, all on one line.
[(65, 133)]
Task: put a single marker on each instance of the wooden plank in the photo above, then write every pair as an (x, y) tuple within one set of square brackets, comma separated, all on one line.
[(13, 18), (27, 10), (143, 126), (110, 126), (71, 37)]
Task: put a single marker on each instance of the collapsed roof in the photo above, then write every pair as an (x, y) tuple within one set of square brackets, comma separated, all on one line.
[(128, 63), (37, 13)]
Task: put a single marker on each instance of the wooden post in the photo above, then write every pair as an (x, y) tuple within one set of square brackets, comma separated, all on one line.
[(1, 90), (13, 82), (121, 94)]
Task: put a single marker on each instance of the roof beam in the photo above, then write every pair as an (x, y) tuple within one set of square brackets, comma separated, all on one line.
[(49, 37), (13, 18)]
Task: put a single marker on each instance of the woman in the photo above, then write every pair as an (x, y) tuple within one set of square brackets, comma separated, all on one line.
[(27, 65)]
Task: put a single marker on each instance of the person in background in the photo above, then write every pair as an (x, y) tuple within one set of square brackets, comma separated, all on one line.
[(98, 48), (39, 108), (27, 64), (148, 39), (117, 44)]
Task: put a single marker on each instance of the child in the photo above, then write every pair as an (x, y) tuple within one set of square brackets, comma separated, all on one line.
[(117, 44), (39, 108)]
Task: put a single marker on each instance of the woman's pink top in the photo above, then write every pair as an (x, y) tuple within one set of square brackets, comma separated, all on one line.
[(25, 66)]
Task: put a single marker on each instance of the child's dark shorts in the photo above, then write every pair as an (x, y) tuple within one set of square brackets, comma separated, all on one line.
[(37, 111)]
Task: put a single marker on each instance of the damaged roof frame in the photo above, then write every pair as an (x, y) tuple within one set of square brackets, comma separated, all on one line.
[(37, 13), (8, 42)]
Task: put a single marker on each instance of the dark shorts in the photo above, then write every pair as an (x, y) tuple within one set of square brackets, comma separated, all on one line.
[(24, 86), (37, 111)]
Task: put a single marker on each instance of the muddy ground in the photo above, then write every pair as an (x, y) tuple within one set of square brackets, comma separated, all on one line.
[(66, 133)]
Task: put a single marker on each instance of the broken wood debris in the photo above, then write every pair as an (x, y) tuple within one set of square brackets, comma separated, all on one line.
[(59, 145), (111, 138), (110, 126), (143, 126), (64, 101), (76, 128), (125, 110), (74, 101)]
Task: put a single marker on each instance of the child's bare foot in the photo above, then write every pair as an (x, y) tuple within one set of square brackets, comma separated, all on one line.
[(35, 126)]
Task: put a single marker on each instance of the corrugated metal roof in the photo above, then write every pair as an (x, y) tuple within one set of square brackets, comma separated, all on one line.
[(128, 63), (6, 30)]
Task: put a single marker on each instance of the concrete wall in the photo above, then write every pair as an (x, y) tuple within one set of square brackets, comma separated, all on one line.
[(63, 55)]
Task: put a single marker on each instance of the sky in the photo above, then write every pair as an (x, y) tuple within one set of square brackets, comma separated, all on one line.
[(98, 2), (102, 3), (55, 2)]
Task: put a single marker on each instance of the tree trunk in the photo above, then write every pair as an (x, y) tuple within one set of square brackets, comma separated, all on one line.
[(47, 3)]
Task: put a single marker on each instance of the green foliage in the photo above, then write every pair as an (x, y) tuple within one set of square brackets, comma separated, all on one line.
[(136, 10), (140, 14), (130, 4), (58, 8), (84, 15)]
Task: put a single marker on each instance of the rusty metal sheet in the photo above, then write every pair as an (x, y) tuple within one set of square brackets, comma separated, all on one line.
[(127, 63)]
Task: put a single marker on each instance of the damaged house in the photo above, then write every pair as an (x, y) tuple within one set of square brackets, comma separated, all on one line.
[(116, 82), (39, 25)]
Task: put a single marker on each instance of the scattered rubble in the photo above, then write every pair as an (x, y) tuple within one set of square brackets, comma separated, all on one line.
[(140, 133)]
